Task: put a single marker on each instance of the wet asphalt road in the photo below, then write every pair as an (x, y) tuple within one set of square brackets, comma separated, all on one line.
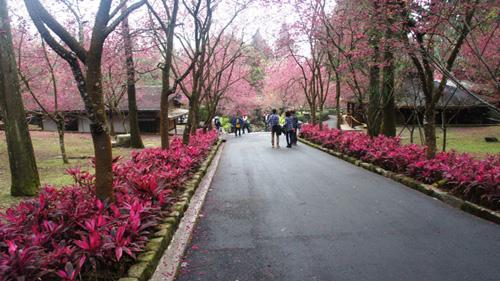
[(301, 214)]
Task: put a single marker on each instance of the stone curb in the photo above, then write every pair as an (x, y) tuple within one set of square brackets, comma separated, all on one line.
[(431, 190), (147, 261)]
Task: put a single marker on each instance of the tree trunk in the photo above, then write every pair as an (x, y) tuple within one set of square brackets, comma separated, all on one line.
[(135, 136), (321, 118), (60, 132), (388, 109), (189, 124), (337, 100), (374, 119), (314, 119), (374, 101), (164, 129), (210, 117), (100, 135), (196, 115), (430, 131), (24, 174)]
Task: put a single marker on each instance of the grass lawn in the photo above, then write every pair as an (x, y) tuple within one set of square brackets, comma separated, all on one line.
[(463, 139), (49, 161)]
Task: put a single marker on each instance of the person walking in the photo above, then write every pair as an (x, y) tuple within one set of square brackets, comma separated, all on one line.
[(288, 128), (237, 123), (273, 121), (217, 123), (295, 124), (246, 124)]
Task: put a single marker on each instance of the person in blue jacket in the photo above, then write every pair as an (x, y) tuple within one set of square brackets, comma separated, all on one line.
[(288, 129), (237, 124)]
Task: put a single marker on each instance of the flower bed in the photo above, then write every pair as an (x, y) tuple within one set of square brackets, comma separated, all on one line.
[(68, 234), (471, 179)]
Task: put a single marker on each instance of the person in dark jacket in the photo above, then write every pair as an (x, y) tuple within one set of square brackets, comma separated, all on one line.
[(288, 128), (295, 125), (237, 124), (273, 120)]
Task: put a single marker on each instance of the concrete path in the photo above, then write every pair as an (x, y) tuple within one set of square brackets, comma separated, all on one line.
[(301, 214), (332, 121)]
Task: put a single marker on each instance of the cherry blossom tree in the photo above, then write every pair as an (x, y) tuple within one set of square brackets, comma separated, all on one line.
[(46, 85), (282, 85), (89, 84), (195, 44), (225, 74), (315, 77), (443, 22)]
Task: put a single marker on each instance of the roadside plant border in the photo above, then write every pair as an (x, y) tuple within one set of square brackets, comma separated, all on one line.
[(148, 260), (431, 190)]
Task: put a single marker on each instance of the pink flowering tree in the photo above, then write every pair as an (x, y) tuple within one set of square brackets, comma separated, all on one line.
[(48, 88)]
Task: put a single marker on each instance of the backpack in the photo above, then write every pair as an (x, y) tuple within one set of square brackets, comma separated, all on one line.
[(277, 129), (238, 125)]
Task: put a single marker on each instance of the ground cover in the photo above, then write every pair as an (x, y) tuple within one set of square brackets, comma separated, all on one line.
[(463, 139), (50, 166), (66, 233)]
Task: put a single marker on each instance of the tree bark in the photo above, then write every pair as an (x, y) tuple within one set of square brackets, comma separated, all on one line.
[(314, 118), (430, 130), (321, 118), (165, 93), (135, 136), (388, 109), (60, 132), (337, 100), (24, 174), (189, 124), (100, 135), (374, 90)]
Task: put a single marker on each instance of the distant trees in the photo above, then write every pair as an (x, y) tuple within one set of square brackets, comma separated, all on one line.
[(24, 173), (368, 45), (315, 77), (439, 28)]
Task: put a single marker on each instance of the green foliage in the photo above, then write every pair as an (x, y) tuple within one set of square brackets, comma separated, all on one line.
[(306, 116), (226, 123), (332, 111), (203, 114)]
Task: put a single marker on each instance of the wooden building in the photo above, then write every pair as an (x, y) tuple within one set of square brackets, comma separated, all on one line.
[(148, 103)]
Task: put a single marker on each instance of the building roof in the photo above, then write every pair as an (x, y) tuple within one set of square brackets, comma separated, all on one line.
[(412, 95), (148, 99)]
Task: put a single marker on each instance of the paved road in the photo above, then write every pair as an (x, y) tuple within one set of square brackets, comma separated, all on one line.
[(301, 214)]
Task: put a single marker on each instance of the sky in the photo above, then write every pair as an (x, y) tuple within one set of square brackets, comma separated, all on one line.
[(267, 19)]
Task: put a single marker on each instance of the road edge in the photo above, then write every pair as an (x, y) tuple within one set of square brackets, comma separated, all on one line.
[(427, 189), (171, 227), (170, 262)]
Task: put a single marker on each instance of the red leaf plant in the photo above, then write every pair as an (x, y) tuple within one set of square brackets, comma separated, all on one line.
[(67, 233)]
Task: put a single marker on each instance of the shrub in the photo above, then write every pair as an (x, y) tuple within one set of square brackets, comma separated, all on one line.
[(67, 233), (472, 179)]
